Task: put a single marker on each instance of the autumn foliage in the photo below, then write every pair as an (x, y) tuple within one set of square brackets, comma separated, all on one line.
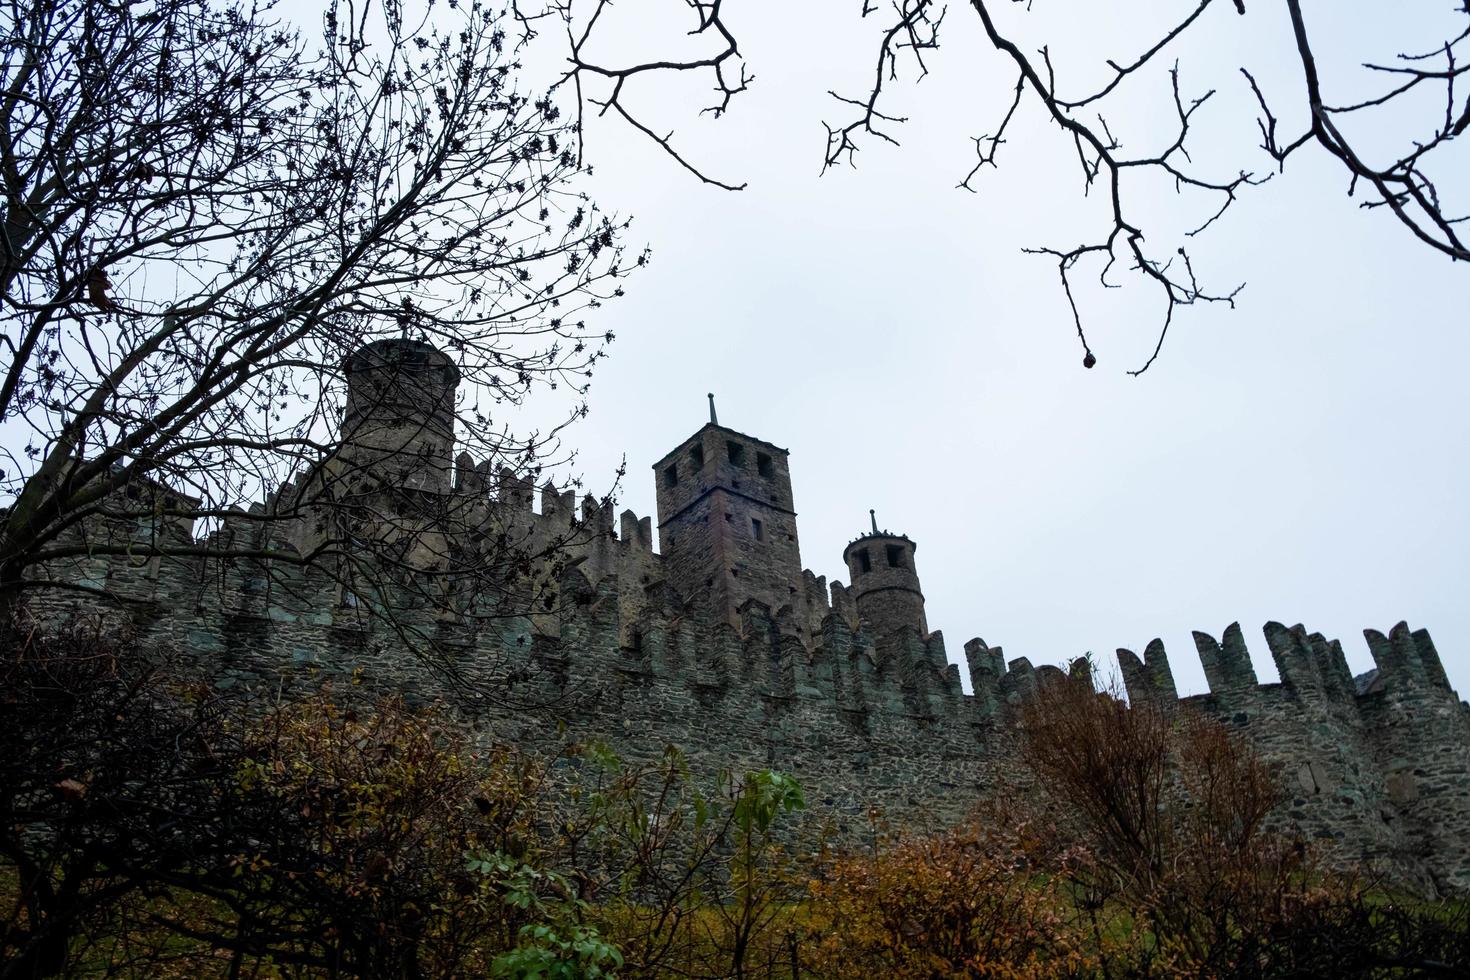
[(977, 901), (155, 826), (141, 814)]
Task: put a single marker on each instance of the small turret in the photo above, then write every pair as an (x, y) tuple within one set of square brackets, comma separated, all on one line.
[(398, 424), (885, 582)]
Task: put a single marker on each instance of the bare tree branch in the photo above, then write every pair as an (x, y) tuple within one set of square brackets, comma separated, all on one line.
[(911, 31)]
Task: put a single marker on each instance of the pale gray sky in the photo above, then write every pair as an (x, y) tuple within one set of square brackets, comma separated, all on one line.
[(1303, 458)]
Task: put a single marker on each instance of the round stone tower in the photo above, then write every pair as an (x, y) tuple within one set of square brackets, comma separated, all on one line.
[(398, 424), (885, 583)]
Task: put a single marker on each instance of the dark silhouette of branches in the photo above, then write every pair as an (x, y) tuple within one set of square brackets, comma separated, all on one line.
[(205, 217), (724, 66), (107, 778), (1405, 184), (915, 31)]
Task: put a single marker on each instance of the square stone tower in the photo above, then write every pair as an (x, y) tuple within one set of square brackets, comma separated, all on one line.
[(726, 524)]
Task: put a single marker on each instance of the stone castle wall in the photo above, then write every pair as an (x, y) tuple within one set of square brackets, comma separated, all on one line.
[(775, 668)]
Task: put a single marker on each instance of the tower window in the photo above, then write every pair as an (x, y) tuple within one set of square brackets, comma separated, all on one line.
[(763, 464), (671, 475), (865, 563), (757, 529), (736, 452), (895, 556), (696, 456)]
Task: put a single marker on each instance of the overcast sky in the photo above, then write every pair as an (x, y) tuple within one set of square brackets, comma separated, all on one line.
[(1302, 458)]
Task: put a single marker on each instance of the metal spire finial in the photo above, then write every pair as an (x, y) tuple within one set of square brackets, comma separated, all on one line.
[(874, 518), (712, 417)]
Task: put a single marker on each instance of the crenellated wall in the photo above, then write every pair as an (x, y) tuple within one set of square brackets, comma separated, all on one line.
[(1377, 768), (1378, 774), (614, 640)]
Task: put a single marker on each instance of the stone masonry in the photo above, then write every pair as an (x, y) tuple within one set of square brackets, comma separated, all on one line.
[(721, 643)]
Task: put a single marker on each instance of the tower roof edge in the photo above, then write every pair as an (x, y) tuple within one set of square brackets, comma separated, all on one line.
[(721, 428)]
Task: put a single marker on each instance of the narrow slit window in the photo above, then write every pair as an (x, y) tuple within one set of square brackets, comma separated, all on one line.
[(757, 529)]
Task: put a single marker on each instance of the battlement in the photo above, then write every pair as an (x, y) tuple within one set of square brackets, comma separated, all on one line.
[(723, 643), (720, 457), (1312, 668)]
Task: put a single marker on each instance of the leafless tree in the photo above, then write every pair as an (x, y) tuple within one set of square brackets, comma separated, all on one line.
[(104, 769), (1172, 811), (1416, 182), (206, 215)]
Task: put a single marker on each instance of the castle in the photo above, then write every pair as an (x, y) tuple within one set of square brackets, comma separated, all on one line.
[(721, 643)]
